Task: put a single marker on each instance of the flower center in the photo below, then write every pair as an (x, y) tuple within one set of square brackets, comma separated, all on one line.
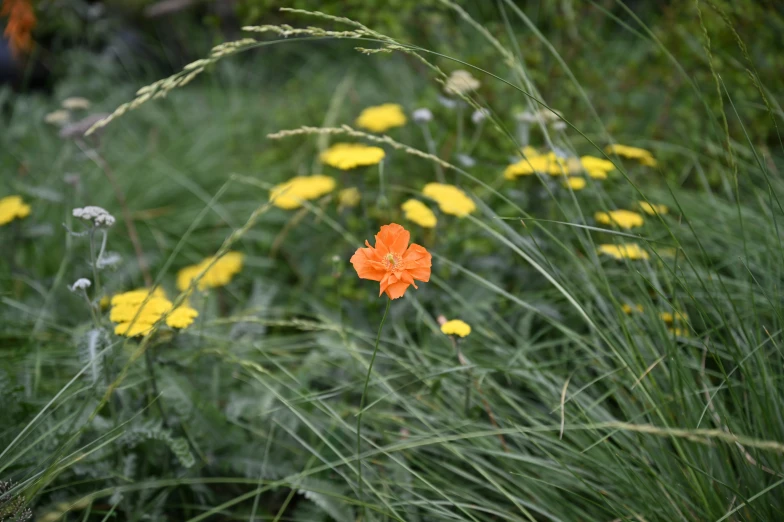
[(392, 262)]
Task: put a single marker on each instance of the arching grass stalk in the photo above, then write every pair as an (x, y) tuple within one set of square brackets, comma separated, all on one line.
[(362, 400)]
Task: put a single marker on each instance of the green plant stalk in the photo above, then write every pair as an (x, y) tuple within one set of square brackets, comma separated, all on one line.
[(431, 148), (382, 202), (459, 114), (93, 262), (477, 135), (154, 383), (362, 401)]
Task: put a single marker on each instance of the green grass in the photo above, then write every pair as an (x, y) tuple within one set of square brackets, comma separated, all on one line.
[(563, 407)]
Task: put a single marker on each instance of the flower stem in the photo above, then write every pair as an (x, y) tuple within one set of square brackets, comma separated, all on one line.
[(431, 148), (94, 263), (382, 201), (155, 393), (362, 400)]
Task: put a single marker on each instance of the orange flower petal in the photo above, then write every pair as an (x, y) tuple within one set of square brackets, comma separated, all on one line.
[(366, 264), (394, 237), (397, 290)]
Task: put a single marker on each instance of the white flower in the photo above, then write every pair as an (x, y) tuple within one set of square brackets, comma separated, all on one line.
[(108, 259), (97, 215), (548, 115), (466, 160), (479, 116), (446, 102), (559, 125), (422, 115), (80, 284), (76, 103), (461, 82), (525, 117)]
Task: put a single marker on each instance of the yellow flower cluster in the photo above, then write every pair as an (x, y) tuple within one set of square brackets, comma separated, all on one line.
[(219, 274), (291, 193), (382, 117), (347, 156), (628, 309), (575, 183), (624, 251), (551, 164), (543, 163), (643, 156), (456, 327), (349, 197), (597, 168), (11, 208), (450, 199), (669, 317), (652, 208), (622, 218), (136, 312), (419, 213)]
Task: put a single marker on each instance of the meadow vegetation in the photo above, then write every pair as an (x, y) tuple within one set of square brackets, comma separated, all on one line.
[(187, 328)]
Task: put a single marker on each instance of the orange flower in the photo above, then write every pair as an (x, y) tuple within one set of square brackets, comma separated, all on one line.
[(21, 21), (392, 261)]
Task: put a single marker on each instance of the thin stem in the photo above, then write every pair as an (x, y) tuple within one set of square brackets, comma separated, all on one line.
[(103, 244), (459, 113), (362, 401), (96, 322), (431, 148), (475, 138), (382, 195), (469, 378), (94, 262), (154, 383), (120, 195)]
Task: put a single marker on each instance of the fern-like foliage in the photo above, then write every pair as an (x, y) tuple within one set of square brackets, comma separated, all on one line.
[(153, 430)]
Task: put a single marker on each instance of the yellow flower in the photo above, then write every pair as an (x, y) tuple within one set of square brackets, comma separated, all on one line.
[(219, 274), (136, 297), (382, 117), (137, 311), (181, 317), (652, 208), (349, 197), (622, 218), (642, 155), (669, 317), (628, 309), (461, 82), (529, 152), (595, 167), (545, 163), (678, 331), (626, 250), (450, 199), (574, 183), (291, 193), (346, 156), (11, 208), (456, 327), (133, 329), (419, 213), (145, 312)]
